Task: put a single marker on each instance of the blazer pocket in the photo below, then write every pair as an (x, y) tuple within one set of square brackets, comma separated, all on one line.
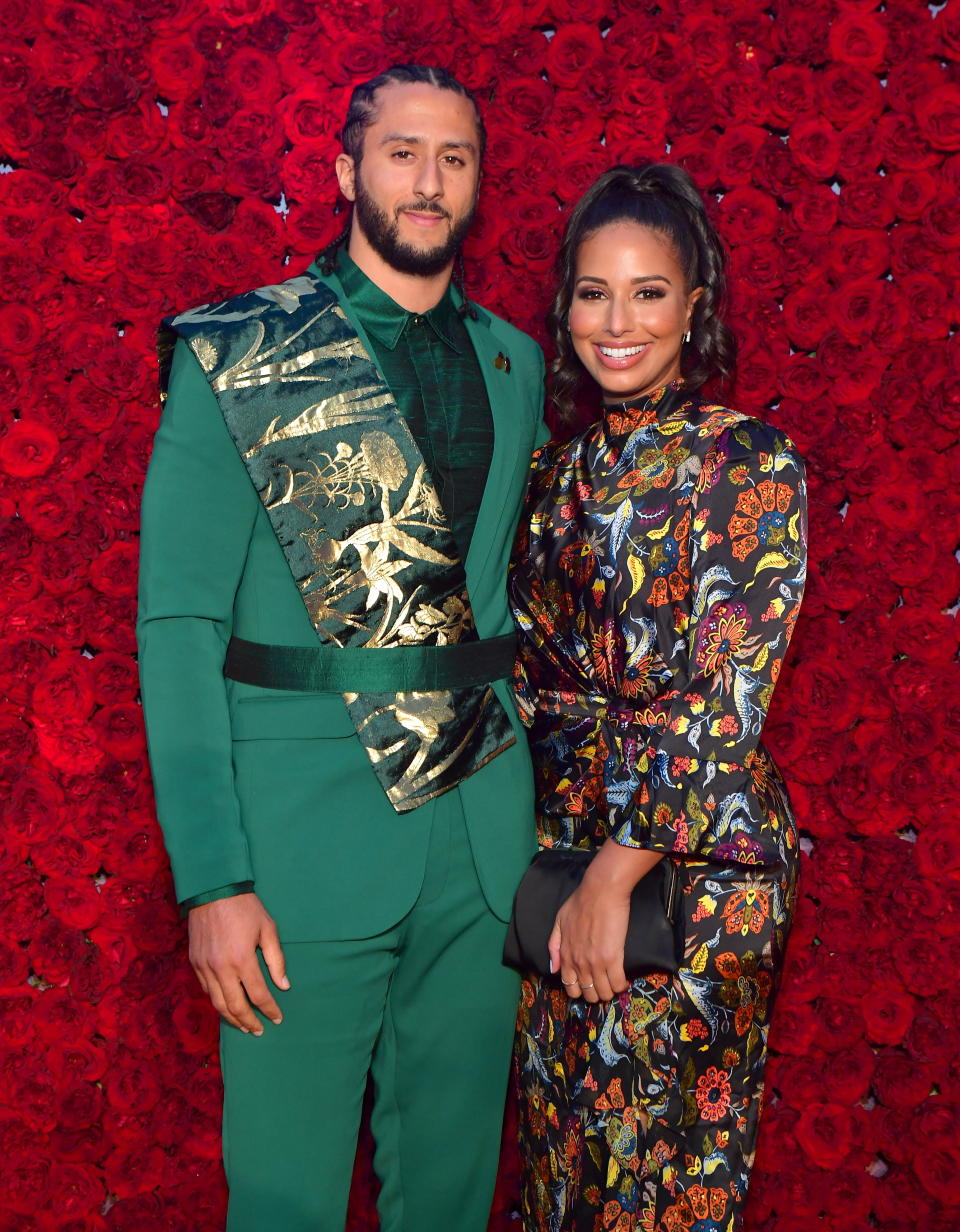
[(291, 716)]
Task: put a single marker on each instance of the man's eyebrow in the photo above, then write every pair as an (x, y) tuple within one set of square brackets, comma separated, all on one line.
[(633, 281), (447, 145)]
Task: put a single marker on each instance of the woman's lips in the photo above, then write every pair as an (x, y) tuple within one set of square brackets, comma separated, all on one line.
[(620, 357)]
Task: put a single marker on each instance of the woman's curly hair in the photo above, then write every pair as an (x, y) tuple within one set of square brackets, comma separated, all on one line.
[(663, 198)]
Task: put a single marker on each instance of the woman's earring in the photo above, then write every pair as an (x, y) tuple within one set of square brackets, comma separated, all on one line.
[(686, 336)]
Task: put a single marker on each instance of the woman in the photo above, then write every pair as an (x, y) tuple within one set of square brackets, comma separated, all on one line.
[(655, 585)]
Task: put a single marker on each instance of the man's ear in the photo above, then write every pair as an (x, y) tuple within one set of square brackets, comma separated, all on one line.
[(346, 173)]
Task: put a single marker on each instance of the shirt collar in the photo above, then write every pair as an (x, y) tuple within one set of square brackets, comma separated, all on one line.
[(384, 318)]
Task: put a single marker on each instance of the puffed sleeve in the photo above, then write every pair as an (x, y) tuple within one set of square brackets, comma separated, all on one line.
[(747, 545)]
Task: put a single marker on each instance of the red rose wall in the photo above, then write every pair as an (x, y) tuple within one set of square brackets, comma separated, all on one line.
[(146, 146)]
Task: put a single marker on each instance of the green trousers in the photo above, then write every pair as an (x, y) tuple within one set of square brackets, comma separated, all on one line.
[(429, 1010)]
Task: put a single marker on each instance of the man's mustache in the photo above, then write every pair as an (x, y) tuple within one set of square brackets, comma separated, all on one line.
[(424, 207)]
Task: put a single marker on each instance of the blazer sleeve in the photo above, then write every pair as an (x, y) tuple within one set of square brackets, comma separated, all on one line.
[(198, 513), (543, 432)]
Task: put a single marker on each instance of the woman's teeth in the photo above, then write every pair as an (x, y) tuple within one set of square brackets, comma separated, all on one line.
[(620, 352)]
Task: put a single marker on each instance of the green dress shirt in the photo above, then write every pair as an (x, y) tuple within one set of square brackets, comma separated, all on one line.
[(430, 365)]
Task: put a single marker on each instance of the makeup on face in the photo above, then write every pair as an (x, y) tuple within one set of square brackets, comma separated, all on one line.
[(630, 310)]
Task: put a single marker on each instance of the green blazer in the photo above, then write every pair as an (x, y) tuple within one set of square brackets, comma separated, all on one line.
[(273, 787)]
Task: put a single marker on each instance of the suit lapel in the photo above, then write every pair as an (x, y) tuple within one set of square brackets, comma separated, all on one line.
[(504, 395)]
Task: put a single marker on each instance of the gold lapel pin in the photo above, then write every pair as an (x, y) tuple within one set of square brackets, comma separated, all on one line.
[(502, 362)]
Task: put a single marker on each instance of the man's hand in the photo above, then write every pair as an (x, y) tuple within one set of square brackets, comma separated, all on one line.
[(224, 936)]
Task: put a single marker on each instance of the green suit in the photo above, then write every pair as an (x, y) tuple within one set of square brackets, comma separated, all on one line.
[(273, 788)]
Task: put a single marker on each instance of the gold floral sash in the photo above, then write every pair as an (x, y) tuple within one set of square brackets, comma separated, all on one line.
[(356, 513)]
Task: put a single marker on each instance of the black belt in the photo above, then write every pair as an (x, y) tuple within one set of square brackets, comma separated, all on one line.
[(388, 669)]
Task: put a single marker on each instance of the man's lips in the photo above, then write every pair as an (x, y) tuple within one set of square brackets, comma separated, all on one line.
[(424, 218)]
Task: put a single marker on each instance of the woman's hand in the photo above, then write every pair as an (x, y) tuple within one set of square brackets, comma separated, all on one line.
[(586, 945)]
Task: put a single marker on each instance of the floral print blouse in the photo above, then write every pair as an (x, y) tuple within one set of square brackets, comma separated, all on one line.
[(655, 583)]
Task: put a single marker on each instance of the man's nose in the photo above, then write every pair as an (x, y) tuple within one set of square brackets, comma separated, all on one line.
[(429, 182)]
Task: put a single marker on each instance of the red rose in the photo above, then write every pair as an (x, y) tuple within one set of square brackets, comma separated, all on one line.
[(68, 745), (792, 92), (307, 174), (802, 378), (574, 50), (62, 61), (21, 329), (119, 731), (888, 1015), (308, 117), (938, 117), (865, 202), (940, 226), (408, 25), (582, 162), (21, 901), (212, 210), (108, 89), (15, 74), (807, 316), (855, 370), (814, 145), (54, 949), (737, 150), (140, 130), (900, 1081), (114, 572), (14, 966), (747, 214), (74, 900), (814, 208), (64, 688), (55, 159), (142, 180), (33, 807), (901, 144), (849, 95), (196, 1024), (27, 449), (859, 40), (825, 1135), (857, 306), (527, 101), (177, 67), (574, 116), (64, 854), (250, 132), (843, 581)]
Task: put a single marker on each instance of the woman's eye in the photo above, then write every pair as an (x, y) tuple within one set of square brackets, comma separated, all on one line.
[(650, 293), (590, 293)]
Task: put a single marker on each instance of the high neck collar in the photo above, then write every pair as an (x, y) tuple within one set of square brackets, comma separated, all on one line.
[(638, 412)]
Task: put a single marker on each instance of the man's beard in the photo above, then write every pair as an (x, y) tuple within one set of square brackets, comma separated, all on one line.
[(384, 235)]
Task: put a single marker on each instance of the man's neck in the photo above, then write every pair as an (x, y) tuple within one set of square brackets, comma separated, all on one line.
[(414, 292)]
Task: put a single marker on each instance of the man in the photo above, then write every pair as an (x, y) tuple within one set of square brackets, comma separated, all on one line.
[(324, 637)]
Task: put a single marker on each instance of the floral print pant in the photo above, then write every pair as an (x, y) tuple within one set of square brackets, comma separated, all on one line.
[(642, 1114)]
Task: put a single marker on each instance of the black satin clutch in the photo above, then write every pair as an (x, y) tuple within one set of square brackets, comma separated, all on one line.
[(654, 939)]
